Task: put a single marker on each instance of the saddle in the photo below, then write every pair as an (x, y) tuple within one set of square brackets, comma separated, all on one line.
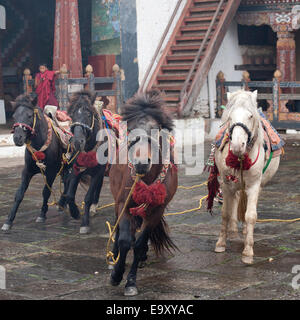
[(61, 123), (272, 139)]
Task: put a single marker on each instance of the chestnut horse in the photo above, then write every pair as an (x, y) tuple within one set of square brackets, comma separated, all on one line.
[(144, 112)]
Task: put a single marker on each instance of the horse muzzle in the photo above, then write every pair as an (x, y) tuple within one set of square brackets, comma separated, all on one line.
[(19, 137), (142, 168), (79, 144), (238, 149)]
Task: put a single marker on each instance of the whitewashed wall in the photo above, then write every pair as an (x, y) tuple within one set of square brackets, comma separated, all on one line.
[(152, 19)]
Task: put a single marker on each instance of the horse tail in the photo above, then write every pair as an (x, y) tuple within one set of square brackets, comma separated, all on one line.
[(242, 206), (160, 238)]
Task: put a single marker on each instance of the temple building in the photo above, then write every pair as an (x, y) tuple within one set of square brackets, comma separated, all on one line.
[(176, 46)]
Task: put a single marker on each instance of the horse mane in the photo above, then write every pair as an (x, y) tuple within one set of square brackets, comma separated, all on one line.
[(24, 100), (147, 104), (248, 103), (83, 99)]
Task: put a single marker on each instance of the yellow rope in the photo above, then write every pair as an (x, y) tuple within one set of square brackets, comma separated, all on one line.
[(187, 211), (277, 220), (109, 253), (193, 187)]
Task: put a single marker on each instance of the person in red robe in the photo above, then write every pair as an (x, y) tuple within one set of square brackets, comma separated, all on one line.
[(45, 87)]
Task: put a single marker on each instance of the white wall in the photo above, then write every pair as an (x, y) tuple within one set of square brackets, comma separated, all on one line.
[(152, 19), (228, 56)]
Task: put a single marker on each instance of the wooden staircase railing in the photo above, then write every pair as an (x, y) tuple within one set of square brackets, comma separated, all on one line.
[(159, 47), (184, 93), (149, 84), (190, 92)]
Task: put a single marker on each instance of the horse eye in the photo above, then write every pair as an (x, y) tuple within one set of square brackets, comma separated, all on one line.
[(251, 116)]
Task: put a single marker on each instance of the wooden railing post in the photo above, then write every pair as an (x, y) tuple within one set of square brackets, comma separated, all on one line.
[(63, 94), (276, 94), (118, 87), (221, 99), (246, 80), (27, 87), (91, 78)]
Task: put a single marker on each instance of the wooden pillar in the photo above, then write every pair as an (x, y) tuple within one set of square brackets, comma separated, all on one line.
[(246, 80), (91, 78), (221, 97), (286, 55), (63, 94), (67, 46), (27, 77)]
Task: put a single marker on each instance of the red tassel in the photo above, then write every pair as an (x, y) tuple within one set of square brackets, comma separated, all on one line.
[(87, 159), (139, 211), (159, 194), (38, 156), (213, 187), (153, 195), (234, 162)]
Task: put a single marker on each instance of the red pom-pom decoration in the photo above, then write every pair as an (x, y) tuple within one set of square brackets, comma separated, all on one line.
[(38, 156), (87, 159), (234, 162)]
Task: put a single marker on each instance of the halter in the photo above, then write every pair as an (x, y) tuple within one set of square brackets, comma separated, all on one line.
[(89, 129), (27, 127), (246, 129)]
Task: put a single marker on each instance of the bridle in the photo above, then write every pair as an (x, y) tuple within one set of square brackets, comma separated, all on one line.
[(27, 127), (84, 126), (246, 129)]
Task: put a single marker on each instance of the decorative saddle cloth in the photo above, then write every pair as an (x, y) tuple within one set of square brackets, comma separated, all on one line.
[(272, 139)]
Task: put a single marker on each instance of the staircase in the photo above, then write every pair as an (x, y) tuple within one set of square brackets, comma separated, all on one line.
[(190, 52)]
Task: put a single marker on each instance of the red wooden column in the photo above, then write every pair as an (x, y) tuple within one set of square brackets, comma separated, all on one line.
[(286, 55), (67, 46)]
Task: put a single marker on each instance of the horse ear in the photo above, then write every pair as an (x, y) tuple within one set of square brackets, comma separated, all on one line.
[(13, 104), (34, 100), (229, 95), (254, 96)]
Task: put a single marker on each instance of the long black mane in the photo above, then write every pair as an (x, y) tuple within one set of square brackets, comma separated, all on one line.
[(82, 99), (147, 104), (25, 100)]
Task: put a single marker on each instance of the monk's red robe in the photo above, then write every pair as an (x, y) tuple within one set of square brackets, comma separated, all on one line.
[(46, 89)]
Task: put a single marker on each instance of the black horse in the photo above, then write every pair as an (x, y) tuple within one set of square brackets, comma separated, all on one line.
[(34, 129), (86, 123)]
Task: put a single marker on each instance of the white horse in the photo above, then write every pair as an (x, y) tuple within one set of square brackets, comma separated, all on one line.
[(245, 139)]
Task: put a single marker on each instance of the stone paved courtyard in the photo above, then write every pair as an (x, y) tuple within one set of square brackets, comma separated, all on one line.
[(52, 261)]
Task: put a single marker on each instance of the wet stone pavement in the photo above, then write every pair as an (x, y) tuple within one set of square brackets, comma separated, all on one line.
[(52, 261)]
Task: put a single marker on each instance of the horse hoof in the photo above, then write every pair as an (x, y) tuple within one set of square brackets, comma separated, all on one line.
[(6, 227), (131, 291), (247, 259), (84, 230), (93, 208), (40, 220), (113, 282), (75, 216), (220, 249)]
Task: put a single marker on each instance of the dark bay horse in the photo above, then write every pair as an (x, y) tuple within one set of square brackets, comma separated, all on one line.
[(86, 123), (152, 194), (34, 129)]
